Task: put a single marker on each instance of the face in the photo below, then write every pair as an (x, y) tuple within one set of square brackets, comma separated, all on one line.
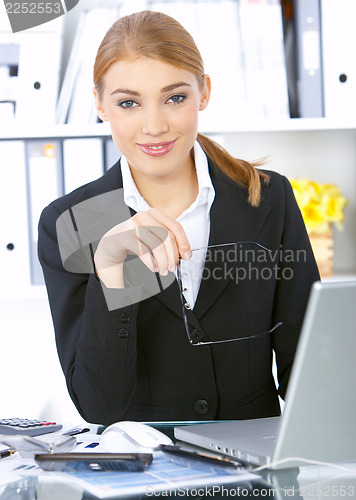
[(153, 110)]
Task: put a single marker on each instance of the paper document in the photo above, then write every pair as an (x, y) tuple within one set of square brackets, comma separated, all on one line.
[(161, 476)]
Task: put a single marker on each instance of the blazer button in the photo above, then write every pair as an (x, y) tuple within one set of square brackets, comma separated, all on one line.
[(202, 406), (123, 333), (124, 318), (197, 336)]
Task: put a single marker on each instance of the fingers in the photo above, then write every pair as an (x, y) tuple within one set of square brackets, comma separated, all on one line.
[(162, 245), (165, 238), (154, 237), (150, 248), (114, 247), (176, 231)]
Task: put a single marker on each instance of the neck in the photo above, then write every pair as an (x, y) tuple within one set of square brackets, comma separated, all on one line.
[(172, 195)]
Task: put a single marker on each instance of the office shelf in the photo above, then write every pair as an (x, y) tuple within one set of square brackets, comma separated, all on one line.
[(33, 131), (321, 149)]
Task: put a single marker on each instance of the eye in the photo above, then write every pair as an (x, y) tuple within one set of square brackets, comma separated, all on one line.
[(128, 104), (177, 99)]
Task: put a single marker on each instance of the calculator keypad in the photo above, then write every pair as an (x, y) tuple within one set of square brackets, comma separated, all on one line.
[(29, 427)]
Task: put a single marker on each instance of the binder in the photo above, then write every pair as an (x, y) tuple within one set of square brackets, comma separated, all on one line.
[(111, 154), (7, 112), (309, 59), (44, 178), (222, 56), (69, 4), (38, 75), (339, 64), (129, 7), (82, 162), (5, 26), (9, 62), (214, 28), (14, 236), (82, 106), (261, 28), (187, 16), (66, 90), (290, 56)]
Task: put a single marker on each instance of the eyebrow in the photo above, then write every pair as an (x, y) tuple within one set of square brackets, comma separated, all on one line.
[(175, 86), (165, 89)]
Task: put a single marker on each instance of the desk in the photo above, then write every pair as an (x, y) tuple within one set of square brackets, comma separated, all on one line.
[(308, 483)]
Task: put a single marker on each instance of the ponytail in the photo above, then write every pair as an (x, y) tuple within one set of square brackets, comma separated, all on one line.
[(245, 174)]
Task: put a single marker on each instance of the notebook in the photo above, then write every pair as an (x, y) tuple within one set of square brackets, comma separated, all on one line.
[(319, 418)]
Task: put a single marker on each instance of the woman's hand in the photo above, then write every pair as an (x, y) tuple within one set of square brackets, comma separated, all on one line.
[(154, 237)]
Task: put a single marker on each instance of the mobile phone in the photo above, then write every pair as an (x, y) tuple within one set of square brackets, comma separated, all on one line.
[(99, 462), (203, 461)]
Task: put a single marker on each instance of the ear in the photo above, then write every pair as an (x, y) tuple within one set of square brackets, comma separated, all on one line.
[(99, 107), (205, 93)]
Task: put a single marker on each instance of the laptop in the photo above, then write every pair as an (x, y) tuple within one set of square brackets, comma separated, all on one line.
[(319, 417)]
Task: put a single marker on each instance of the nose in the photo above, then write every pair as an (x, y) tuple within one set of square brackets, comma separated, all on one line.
[(155, 123)]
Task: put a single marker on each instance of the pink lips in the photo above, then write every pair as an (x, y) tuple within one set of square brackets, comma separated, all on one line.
[(157, 148)]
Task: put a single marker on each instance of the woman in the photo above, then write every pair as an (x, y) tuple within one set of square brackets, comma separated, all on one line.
[(110, 251)]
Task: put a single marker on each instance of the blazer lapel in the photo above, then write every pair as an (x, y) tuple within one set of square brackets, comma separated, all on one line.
[(170, 296), (232, 219)]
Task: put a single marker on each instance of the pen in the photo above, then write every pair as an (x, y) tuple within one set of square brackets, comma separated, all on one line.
[(76, 432), (7, 453), (203, 461)]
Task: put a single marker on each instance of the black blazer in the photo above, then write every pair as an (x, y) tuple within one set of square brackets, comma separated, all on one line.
[(135, 362)]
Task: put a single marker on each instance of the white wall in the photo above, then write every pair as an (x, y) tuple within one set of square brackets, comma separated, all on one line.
[(327, 156), (32, 383)]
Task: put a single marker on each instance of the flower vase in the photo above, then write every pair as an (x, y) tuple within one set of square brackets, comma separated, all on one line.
[(322, 245)]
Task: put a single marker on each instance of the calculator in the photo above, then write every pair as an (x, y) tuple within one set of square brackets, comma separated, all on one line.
[(27, 427)]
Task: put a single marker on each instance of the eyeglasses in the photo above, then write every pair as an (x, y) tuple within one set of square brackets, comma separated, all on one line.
[(196, 338)]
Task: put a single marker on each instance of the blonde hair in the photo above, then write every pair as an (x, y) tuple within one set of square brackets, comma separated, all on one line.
[(158, 36)]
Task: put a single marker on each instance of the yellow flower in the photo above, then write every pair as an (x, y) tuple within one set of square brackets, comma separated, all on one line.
[(320, 204), (333, 204), (313, 217), (302, 191)]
